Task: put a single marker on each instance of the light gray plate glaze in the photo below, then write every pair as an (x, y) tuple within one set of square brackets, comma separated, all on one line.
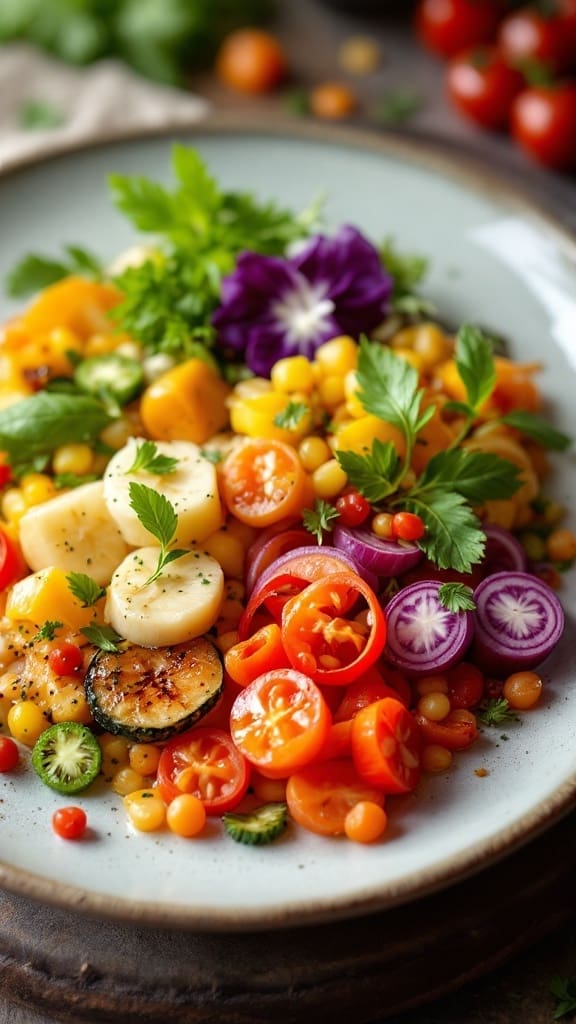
[(493, 259)]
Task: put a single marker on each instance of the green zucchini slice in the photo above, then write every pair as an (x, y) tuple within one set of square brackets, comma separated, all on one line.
[(258, 827), (67, 757), (149, 694)]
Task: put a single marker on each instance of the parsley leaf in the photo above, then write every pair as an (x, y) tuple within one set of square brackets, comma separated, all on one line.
[(389, 389), (48, 630), (564, 991), (475, 364), (477, 476), (320, 518), (158, 516), (150, 459), (104, 637), (495, 711), (373, 474), (457, 597), (291, 416), (538, 429), (85, 588), (35, 272), (453, 538)]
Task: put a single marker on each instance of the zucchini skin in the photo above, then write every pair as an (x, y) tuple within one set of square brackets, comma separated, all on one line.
[(149, 694)]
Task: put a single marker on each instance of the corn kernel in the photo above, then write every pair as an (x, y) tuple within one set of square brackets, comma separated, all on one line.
[(292, 374), (73, 458), (337, 356), (431, 344), (313, 452), (251, 388), (144, 758), (228, 550), (36, 488), (331, 390), (329, 479), (117, 433), (13, 504), (351, 393)]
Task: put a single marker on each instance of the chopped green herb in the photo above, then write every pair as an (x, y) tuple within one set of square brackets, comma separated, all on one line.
[(291, 416), (457, 597), (495, 711), (104, 637), (158, 516), (148, 458), (85, 588), (375, 474), (48, 630), (319, 519), (35, 272), (63, 481), (538, 429)]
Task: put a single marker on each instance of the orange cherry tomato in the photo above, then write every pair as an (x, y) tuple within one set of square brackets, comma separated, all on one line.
[(367, 690), (338, 742), (322, 641), (332, 101), (263, 651), (320, 796), (251, 61), (280, 722), (263, 481), (69, 822), (386, 746), (205, 762), (453, 732)]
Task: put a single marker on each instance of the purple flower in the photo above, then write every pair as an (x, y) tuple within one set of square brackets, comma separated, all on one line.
[(273, 307)]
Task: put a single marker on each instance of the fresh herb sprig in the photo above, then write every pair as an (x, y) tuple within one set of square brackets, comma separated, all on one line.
[(319, 520), (84, 588), (457, 597), (158, 516), (104, 637), (48, 630), (291, 416), (148, 458), (495, 711), (35, 272), (31, 429)]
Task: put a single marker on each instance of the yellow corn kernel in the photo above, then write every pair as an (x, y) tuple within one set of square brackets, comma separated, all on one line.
[(127, 780), (228, 550), (117, 433), (26, 721), (256, 417), (242, 531), (251, 388), (145, 809), (337, 356), (331, 390), (37, 488), (292, 374), (144, 758), (13, 505), (313, 452), (329, 479), (431, 344), (73, 458), (359, 435), (38, 596)]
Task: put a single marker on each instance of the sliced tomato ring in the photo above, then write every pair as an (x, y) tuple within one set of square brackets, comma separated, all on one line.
[(205, 762), (322, 640), (280, 722), (386, 746), (455, 732), (320, 796), (263, 481)]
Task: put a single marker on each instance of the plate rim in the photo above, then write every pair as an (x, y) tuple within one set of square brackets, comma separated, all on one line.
[(469, 171)]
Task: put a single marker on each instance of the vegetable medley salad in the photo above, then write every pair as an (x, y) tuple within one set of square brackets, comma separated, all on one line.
[(274, 541)]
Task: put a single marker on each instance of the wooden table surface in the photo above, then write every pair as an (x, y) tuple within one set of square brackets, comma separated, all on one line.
[(517, 993)]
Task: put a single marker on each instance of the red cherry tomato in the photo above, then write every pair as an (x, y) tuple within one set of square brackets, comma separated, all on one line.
[(319, 637), (205, 762), (452, 732), (9, 755), (10, 561), (66, 659), (280, 722), (69, 822), (407, 526), (544, 124), (448, 26), (251, 61), (352, 508), (483, 87), (466, 685), (528, 36), (5, 474), (386, 745)]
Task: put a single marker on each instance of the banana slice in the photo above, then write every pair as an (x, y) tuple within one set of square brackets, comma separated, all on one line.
[(181, 604), (74, 532), (192, 490)]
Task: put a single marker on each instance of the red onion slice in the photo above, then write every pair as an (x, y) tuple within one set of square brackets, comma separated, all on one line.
[(286, 562), (261, 555), (519, 621), (424, 636), (504, 552), (384, 557)]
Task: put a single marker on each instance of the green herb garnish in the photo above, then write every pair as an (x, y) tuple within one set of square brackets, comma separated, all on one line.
[(31, 429), (48, 630), (84, 588), (495, 711), (320, 518), (35, 272), (158, 516), (538, 429), (149, 459), (564, 991), (291, 416), (104, 637), (457, 597)]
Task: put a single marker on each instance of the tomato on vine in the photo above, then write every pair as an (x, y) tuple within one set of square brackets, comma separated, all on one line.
[(543, 124), (449, 26), (530, 36), (483, 86)]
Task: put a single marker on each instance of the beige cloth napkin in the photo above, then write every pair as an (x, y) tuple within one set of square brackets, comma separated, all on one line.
[(100, 101)]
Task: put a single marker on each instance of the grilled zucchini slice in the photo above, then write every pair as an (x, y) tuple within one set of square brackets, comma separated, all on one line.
[(149, 694)]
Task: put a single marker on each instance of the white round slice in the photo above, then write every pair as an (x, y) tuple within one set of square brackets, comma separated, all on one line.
[(181, 604), (74, 532), (191, 489)]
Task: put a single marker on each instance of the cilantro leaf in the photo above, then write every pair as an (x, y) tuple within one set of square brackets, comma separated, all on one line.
[(320, 518), (538, 429), (373, 474), (475, 364), (564, 991), (454, 538), (495, 711), (85, 588), (456, 597), (35, 272), (389, 389), (48, 630), (477, 476), (150, 459), (291, 416), (104, 637)]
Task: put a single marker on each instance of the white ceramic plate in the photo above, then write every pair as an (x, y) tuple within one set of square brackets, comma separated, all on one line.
[(493, 259)]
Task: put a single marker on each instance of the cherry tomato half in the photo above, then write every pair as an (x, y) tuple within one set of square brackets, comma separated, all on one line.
[(386, 746), (320, 796), (448, 26), (483, 87), (544, 124), (69, 822), (263, 482), (369, 688), (66, 659), (280, 722), (9, 755), (322, 641), (466, 685), (205, 762)]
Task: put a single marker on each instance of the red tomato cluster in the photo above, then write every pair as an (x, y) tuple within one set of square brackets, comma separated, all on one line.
[(510, 69)]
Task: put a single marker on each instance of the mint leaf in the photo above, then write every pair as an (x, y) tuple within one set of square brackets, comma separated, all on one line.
[(84, 588), (475, 363), (454, 538), (104, 637), (457, 597), (373, 474), (538, 429), (477, 476), (148, 458)]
